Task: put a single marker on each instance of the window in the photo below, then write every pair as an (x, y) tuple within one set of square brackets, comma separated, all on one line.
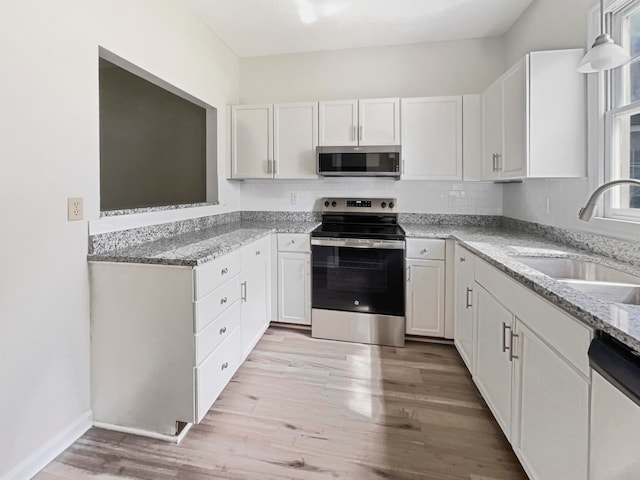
[(622, 121)]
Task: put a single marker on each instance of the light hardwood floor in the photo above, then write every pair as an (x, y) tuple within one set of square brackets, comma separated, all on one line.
[(301, 408)]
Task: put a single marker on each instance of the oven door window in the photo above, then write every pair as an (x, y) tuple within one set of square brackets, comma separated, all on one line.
[(358, 280)]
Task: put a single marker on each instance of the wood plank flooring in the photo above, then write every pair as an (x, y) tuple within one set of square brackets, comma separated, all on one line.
[(301, 408)]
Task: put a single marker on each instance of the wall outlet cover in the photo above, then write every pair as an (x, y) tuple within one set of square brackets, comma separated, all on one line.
[(75, 208)]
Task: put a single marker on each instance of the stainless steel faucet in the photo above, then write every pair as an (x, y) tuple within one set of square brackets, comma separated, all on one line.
[(586, 212)]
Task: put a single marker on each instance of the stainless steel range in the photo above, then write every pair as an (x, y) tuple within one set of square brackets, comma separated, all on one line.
[(358, 272)]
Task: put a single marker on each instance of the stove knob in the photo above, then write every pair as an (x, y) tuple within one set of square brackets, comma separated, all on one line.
[(326, 203), (383, 205), (391, 204), (333, 204)]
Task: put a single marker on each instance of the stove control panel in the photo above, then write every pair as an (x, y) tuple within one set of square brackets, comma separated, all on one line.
[(360, 205)]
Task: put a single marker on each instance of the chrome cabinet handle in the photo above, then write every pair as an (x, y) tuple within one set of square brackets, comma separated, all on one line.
[(409, 273), (224, 271), (403, 165), (223, 300), (505, 327), (243, 291), (223, 330), (360, 136), (469, 292), (511, 349), (493, 158), (225, 365), (499, 161)]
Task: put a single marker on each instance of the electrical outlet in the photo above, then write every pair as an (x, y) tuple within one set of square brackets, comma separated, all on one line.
[(294, 198), (75, 208)]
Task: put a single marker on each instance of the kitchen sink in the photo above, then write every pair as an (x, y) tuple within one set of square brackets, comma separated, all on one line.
[(592, 278)]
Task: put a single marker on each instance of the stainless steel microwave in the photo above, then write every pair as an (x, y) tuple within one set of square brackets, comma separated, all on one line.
[(378, 161)]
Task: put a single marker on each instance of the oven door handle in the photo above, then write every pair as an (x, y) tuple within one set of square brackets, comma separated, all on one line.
[(359, 243)]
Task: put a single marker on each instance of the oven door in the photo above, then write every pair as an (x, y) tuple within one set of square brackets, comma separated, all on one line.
[(358, 275)]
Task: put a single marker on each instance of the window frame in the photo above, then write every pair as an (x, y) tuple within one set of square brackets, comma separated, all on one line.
[(613, 90)]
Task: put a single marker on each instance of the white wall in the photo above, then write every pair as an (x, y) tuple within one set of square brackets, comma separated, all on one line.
[(49, 151), (428, 69), (444, 68)]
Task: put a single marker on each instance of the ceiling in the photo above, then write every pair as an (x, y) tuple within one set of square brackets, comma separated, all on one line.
[(270, 27)]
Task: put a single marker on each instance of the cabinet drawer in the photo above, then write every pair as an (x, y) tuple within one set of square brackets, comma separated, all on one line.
[(294, 242), (255, 251), (215, 333), (208, 308), (426, 249), (215, 273), (215, 372)]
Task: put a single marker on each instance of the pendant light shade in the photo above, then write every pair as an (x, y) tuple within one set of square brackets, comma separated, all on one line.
[(605, 54)]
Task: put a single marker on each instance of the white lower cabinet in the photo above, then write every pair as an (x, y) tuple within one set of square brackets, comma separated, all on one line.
[(550, 425), (492, 363), (255, 296), (294, 279), (532, 369), (165, 340), (425, 285), (464, 262)]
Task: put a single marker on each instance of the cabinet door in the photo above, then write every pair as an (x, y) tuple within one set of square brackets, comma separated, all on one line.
[(251, 142), (379, 120), (514, 89), (464, 285), (491, 129), (254, 313), (425, 298), (295, 139), (432, 138), (492, 364), (551, 408), (294, 288), (338, 123)]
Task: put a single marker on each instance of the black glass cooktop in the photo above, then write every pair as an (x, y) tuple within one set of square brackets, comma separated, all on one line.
[(384, 227)]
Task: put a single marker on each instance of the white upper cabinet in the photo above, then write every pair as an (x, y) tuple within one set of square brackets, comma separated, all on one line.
[(534, 119), (252, 141), (359, 122), (295, 137), (338, 123), (274, 141), (379, 120), (432, 138)]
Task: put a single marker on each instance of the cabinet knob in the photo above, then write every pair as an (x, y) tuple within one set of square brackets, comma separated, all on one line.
[(223, 330), (223, 300), (258, 252), (424, 250), (292, 241), (225, 365), (462, 259), (224, 271)]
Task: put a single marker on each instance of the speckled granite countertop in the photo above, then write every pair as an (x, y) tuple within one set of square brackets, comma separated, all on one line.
[(501, 247), (195, 248)]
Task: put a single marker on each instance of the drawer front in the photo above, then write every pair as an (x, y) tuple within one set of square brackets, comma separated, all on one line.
[(216, 332), (426, 249), (294, 242), (208, 308), (215, 372), (213, 274), (254, 251)]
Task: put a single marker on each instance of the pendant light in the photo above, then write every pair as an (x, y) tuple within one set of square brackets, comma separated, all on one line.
[(604, 54)]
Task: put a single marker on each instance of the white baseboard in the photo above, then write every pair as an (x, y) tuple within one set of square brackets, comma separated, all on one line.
[(50, 450), (145, 433)]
